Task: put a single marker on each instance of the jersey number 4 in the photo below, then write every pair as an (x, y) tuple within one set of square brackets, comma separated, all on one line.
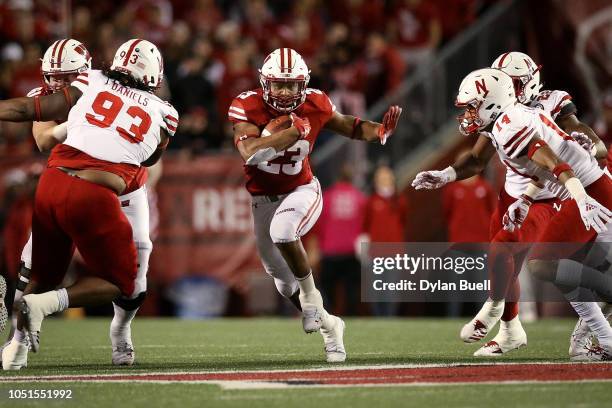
[(294, 154), (107, 106)]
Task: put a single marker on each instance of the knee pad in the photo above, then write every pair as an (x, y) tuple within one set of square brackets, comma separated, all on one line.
[(287, 289), (542, 270), (282, 231), (131, 304)]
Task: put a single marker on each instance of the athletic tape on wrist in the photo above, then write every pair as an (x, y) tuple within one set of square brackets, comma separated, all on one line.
[(561, 168)]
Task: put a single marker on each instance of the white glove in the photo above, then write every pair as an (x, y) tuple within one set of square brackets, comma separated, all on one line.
[(517, 213), (434, 179), (594, 214), (584, 141)]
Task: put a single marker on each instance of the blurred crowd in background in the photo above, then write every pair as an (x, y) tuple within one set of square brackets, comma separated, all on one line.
[(359, 51)]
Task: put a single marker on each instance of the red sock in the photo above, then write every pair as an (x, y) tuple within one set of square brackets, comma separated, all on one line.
[(511, 310)]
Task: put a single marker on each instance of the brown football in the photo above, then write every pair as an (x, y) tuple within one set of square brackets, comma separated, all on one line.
[(276, 125)]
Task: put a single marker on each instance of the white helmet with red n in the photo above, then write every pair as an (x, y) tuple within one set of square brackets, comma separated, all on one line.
[(287, 66), (525, 74), (64, 58), (141, 60), (484, 93)]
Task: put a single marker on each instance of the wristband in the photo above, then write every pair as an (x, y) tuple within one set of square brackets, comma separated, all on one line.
[(451, 173), (243, 137), (532, 191), (60, 132), (575, 188), (560, 168)]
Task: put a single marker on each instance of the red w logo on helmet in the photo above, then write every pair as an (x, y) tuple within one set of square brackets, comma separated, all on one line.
[(481, 87)]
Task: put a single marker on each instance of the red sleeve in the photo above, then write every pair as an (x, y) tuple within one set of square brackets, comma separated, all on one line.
[(237, 112), (324, 104)]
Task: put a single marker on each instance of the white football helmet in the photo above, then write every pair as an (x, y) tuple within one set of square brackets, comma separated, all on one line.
[(525, 74), (484, 94), (287, 66), (141, 60), (64, 57)]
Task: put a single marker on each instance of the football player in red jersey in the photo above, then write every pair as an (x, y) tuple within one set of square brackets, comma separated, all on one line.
[(286, 197)]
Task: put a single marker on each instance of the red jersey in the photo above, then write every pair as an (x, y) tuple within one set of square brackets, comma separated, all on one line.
[(291, 168), (467, 209), (385, 218)]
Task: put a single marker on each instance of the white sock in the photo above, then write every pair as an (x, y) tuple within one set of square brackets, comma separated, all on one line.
[(310, 294), (122, 319), (591, 313), (491, 308), (62, 298), (511, 327), (306, 284)]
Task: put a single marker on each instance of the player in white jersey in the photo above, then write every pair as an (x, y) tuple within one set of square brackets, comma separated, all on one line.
[(76, 200), (62, 62), (542, 203), (528, 140)]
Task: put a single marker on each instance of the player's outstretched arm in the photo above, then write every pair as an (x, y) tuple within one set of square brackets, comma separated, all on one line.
[(39, 108), (355, 128), (464, 167), (255, 149), (593, 214), (583, 135)]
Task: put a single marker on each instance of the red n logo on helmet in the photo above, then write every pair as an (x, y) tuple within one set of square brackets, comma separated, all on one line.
[(481, 87)]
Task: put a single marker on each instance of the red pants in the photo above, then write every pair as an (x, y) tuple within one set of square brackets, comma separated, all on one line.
[(69, 211), (567, 225), (506, 260)]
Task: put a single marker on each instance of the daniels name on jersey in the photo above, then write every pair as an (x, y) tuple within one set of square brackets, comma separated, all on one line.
[(512, 133), (290, 169), (117, 124)]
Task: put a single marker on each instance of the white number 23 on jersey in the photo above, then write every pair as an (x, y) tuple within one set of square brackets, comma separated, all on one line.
[(298, 152)]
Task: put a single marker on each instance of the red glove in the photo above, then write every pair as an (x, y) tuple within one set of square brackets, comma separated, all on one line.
[(389, 123), (302, 125)]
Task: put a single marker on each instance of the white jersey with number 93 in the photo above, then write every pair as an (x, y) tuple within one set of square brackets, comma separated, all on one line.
[(115, 123)]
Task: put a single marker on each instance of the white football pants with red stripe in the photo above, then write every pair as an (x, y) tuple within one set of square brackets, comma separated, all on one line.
[(287, 219)]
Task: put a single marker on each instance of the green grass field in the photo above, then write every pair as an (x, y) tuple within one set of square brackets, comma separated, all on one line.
[(165, 345)]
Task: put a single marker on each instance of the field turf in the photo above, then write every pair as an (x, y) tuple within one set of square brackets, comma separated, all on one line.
[(81, 347)]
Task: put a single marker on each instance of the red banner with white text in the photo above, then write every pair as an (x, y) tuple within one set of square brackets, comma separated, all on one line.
[(205, 226)]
